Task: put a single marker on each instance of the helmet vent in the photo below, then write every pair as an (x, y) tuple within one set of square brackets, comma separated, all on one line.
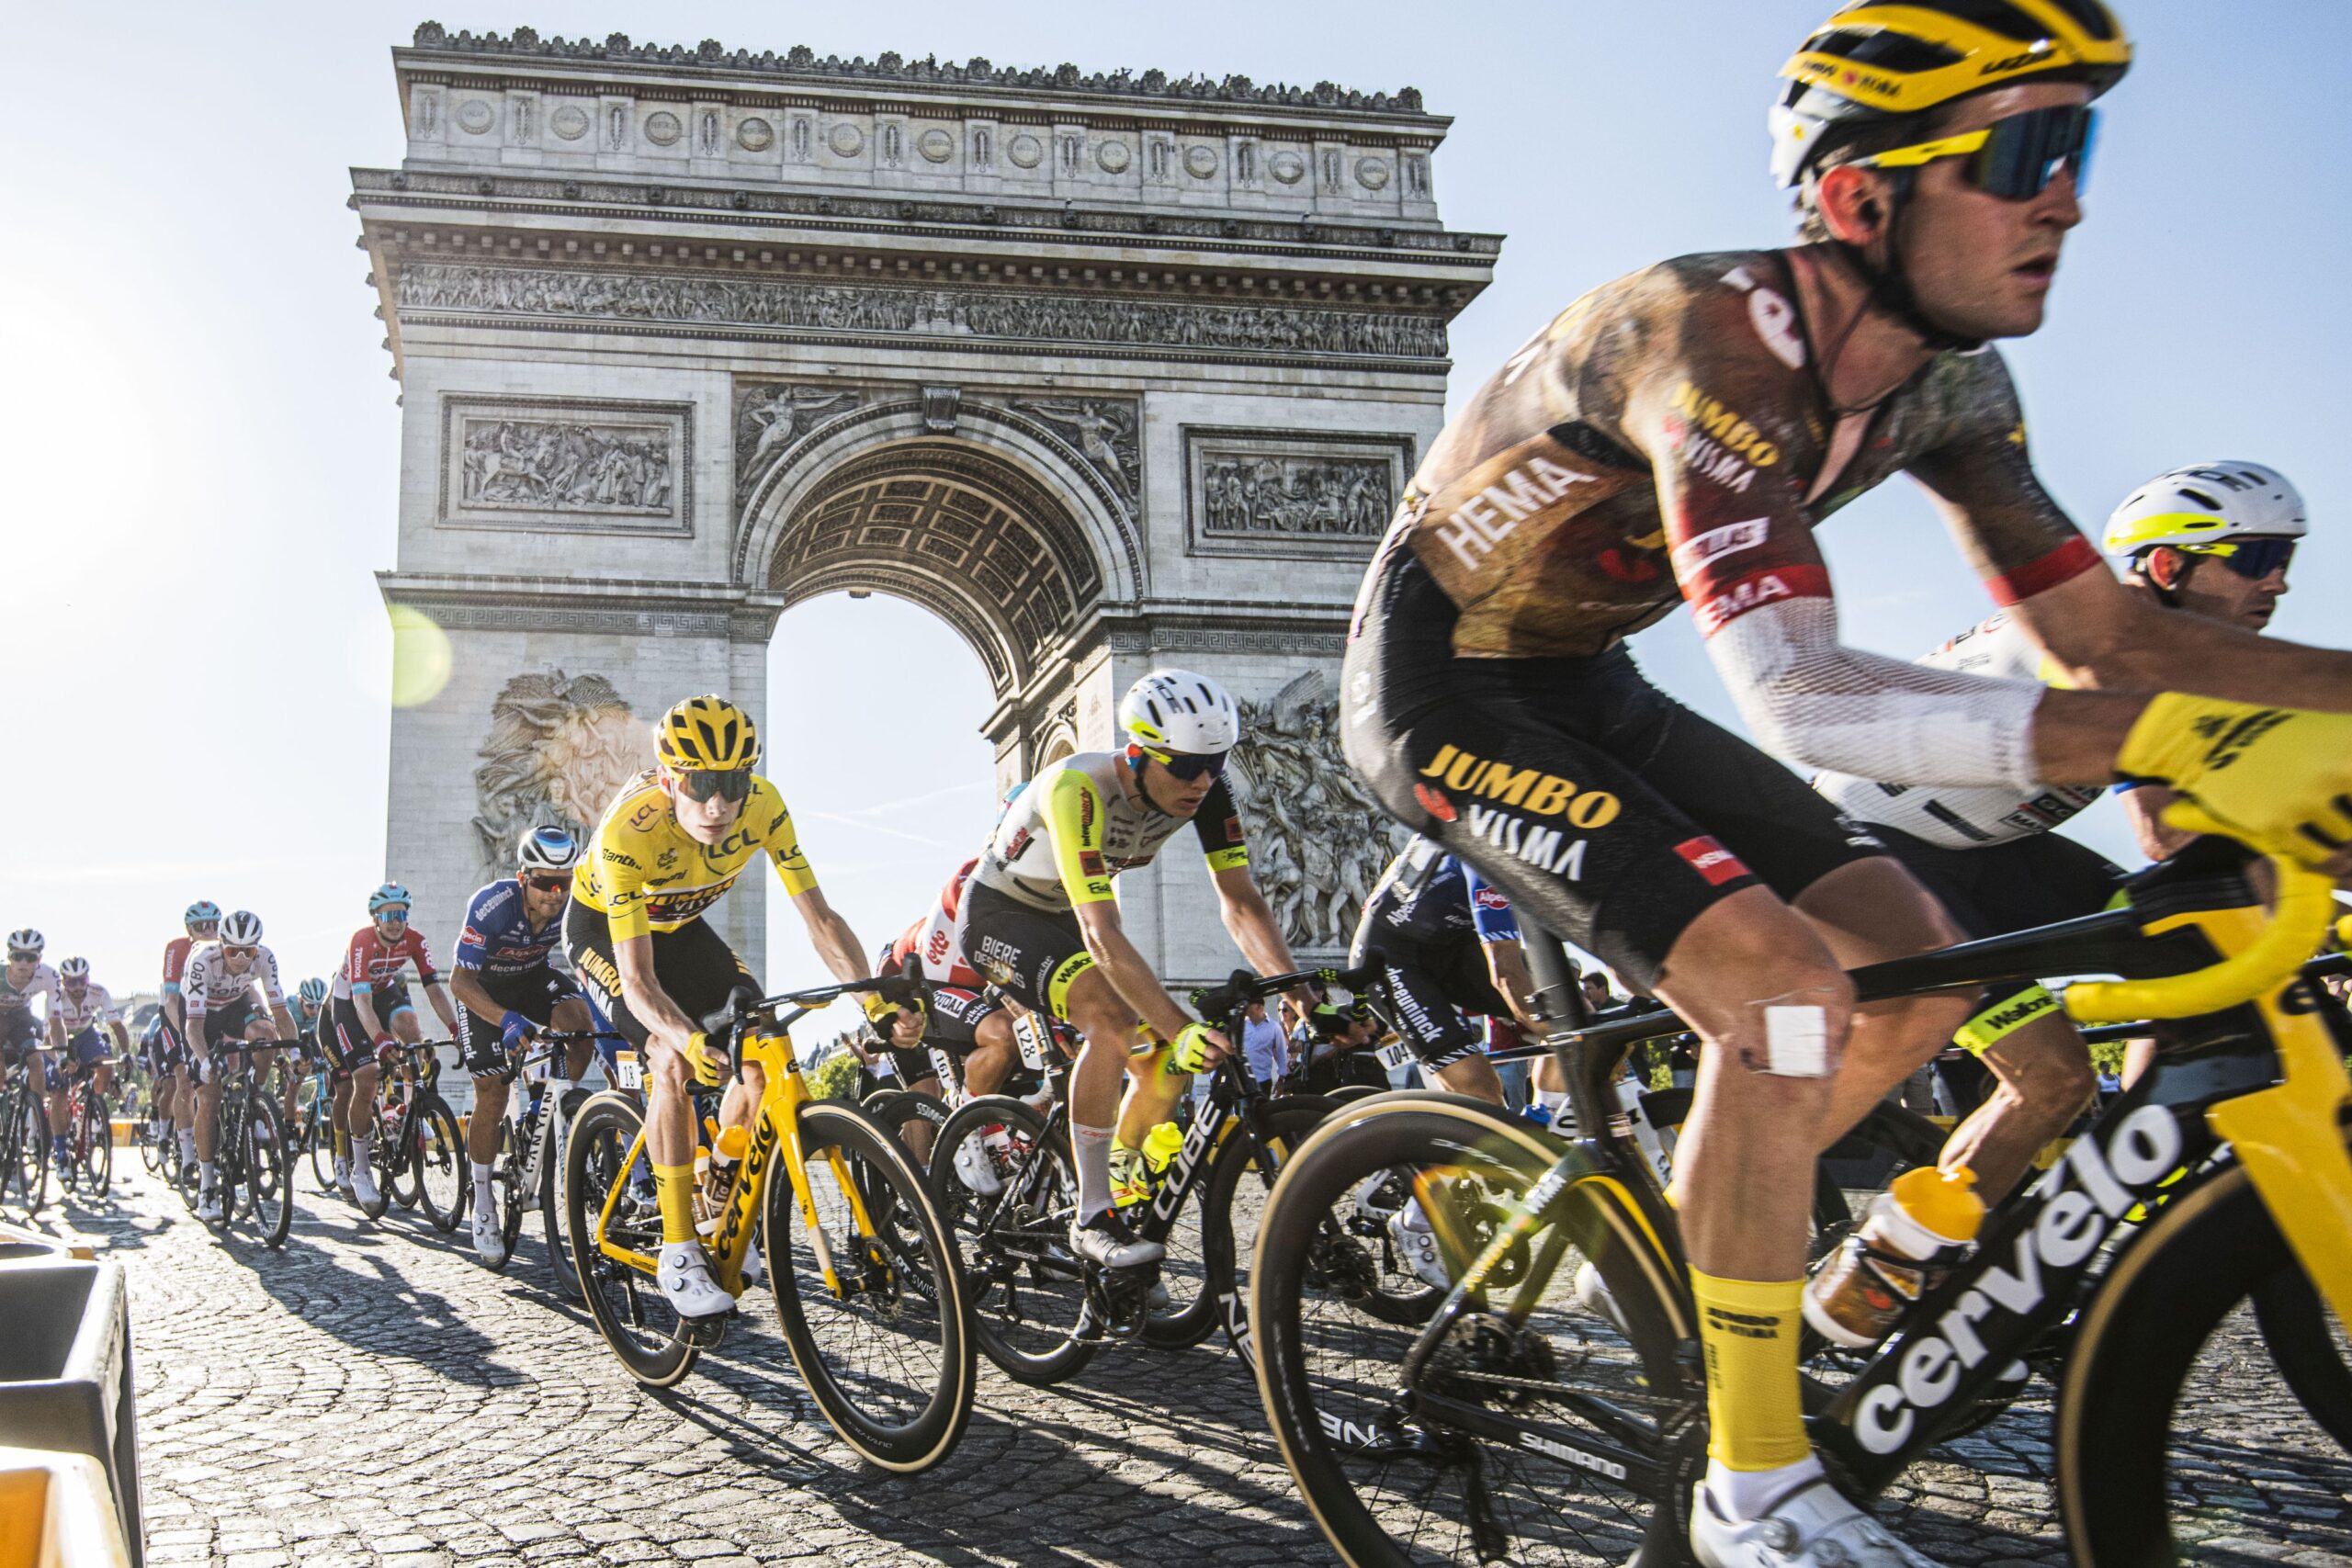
[(1885, 51), (2000, 16), (2201, 499), (2091, 17)]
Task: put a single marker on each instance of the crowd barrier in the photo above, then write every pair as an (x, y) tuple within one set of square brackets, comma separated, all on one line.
[(65, 1397)]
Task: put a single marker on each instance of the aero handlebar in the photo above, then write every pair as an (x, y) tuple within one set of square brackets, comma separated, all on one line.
[(2299, 923)]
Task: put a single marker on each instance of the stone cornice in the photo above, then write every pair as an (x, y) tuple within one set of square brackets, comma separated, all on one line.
[(1152, 91), (923, 216), (639, 608)]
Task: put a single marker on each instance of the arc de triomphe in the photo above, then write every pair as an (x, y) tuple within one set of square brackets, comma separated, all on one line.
[(1105, 371)]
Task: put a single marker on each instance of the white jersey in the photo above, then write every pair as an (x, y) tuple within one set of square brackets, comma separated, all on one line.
[(20, 998), (1969, 817), (207, 984), (96, 1005)]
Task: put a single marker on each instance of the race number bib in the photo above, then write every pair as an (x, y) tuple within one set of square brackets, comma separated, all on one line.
[(627, 1071)]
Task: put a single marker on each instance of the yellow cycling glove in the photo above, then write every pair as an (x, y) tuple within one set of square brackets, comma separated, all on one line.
[(1189, 1051), (881, 1010), (708, 1066), (2281, 778)]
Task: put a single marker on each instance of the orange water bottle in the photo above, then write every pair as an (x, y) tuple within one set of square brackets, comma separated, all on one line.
[(1909, 1238)]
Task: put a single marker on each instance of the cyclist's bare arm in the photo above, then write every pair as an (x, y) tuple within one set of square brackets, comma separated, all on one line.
[(1249, 920), (837, 946), (1507, 967), (281, 1015), (470, 991), (1106, 942)]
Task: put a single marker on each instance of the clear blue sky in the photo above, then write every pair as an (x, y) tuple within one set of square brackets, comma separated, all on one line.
[(200, 436)]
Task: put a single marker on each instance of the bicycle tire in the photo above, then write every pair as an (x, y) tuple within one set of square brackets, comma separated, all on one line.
[(849, 1347), (1341, 1439), (550, 1195), (269, 1174), (2293, 1318), (321, 1142), (437, 1163), (2135, 1351), (506, 1183), (1024, 1289), (97, 1143), (150, 1148), (397, 1161), (626, 1306), (24, 1152), (895, 1108), (1221, 1302)]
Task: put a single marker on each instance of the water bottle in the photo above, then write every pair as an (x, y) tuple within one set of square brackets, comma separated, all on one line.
[(1909, 1238), (725, 1163), (1161, 1146)]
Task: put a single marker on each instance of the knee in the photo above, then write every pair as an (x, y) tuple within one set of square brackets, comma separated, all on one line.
[(2059, 1079)]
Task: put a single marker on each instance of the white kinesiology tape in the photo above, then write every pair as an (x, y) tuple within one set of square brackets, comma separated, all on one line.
[(1812, 701), (1796, 1042)]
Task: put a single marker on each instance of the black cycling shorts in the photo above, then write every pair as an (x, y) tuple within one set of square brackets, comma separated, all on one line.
[(1033, 955), (87, 1044), (229, 1021), (1608, 813), (1995, 889), (956, 1016), (693, 965), (534, 993), (349, 1045), (1436, 991), (19, 1032)]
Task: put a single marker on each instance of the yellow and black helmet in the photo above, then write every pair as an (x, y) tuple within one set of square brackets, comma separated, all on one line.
[(707, 733), (1874, 61)]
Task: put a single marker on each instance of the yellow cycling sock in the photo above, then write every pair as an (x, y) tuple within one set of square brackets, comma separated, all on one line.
[(1749, 1329), (674, 1185)]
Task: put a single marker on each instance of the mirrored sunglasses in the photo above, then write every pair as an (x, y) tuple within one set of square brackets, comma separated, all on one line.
[(2013, 158), (731, 784), (2253, 559)]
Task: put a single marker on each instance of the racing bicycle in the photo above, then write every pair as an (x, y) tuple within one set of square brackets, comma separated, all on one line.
[(250, 1161), (1515, 1421), (873, 1314)]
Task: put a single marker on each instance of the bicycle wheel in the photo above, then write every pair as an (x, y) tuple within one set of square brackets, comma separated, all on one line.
[(95, 1136), (33, 1156), (268, 1175), (1586, 1441), (2303, 1338), (506, 1187), (628, 1308), (320, 1138), (914, 1118), (397, 1157), (150, 1147), (887, 1363), (1025, 1288), (437, 1163), (1233, 1206), (2155, 1409), (550, 1195), (14, 1190)]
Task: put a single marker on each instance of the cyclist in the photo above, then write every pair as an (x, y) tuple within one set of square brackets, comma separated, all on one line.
[(78, 1013), (1677, 434), (371, 1011), (968, 1023), (310, 1057), (670, 846), (218, 987), (1041, 921), (506, 989), (174, 1090), (1988, 854), (25, 981)]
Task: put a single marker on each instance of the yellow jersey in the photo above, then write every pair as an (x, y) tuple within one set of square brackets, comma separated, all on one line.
[(644, 872)]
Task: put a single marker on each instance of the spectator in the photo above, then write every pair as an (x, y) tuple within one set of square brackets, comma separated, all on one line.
[(1597, 995), (1264, 1048), (2111, 1083)]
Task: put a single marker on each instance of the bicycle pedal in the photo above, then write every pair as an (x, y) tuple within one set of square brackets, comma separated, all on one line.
[(703, 1333)]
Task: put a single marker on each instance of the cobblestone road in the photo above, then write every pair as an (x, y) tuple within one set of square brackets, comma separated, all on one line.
[(370, 1396)]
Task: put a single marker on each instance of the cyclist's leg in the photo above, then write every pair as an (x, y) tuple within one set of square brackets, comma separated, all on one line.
[(994, 1053), (1449, 1047), (481, 1049)]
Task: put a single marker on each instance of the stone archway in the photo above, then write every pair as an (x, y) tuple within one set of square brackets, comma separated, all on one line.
[(1105, 371)]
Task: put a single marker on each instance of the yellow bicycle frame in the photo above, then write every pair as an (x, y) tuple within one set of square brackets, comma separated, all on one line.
[(779, 1123)]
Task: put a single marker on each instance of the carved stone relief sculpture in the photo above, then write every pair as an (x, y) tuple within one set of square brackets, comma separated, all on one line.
[(983, 149), (1106, 436), (559, 748), (1295, 495), (563, 463), (800, 134), (769, 418), (1317, 840)]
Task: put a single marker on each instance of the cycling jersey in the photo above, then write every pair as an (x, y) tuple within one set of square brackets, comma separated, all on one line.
[(371, 964), (19, 999), (1426, 896), (1963, 817), (499, 938), (95, 1006), (1073, 829), (208, 985), (645, 873), (937, 941), (176, 953)]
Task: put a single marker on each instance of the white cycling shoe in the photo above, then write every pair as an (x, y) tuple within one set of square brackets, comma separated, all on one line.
[(207, 1206), (683, 1274), (1811, 1526), (1408, 1227), (975, 1170), (490, 1239), (363, 1185), (1592, 1293)]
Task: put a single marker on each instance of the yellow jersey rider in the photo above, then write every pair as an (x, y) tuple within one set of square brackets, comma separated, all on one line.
[(670, 846)]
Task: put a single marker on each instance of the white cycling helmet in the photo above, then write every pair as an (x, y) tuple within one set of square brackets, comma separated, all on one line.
[(2204, 504), (27, 941), (1181, 711), (547, 849), (75, 968), (241, 930)]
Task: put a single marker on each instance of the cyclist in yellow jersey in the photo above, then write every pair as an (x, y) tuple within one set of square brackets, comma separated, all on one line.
[(1040, 919), (670, 846)]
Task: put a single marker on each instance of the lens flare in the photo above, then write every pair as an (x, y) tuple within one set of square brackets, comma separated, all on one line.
[(421, 658)]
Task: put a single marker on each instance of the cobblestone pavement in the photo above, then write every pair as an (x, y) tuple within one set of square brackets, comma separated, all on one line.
[(371, 1396)]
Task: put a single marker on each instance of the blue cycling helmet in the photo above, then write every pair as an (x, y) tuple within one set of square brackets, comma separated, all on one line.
[(547, 849), (314, 993), (203, 912), (384, 897)]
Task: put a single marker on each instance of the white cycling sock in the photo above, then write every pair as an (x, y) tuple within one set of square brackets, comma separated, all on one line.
[(209, 1174), (485, 1200), (1551, 1101), (187, 1145), (1743, 1494), (1092, 1147), (359, 1150)]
